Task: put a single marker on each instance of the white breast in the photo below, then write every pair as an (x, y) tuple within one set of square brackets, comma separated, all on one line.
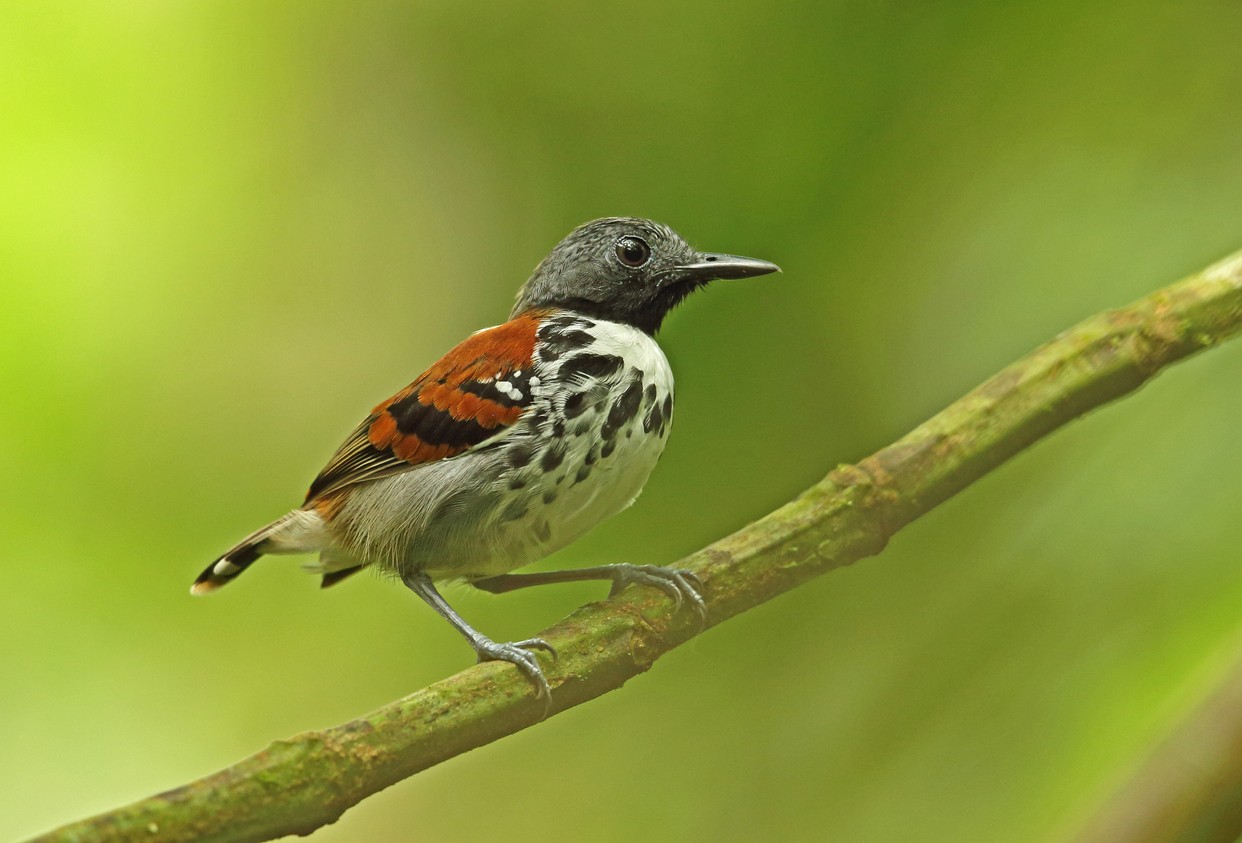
[(608, 418)]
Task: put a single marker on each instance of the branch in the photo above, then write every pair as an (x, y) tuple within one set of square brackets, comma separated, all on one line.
[(297, 785)]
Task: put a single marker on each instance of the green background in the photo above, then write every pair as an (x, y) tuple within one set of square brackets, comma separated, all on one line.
[(228, 229)]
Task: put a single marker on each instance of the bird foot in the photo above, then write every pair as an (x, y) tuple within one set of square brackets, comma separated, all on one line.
[(682, 585), (522, 655)]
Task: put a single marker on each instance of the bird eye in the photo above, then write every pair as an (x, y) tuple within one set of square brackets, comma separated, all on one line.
[(633, 251)]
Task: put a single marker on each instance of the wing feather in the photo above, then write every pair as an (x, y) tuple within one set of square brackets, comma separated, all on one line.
[(473, 394)]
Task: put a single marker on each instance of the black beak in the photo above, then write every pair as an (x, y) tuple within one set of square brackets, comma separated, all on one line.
[(710, 266)]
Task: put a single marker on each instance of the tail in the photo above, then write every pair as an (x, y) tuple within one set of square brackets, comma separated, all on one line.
[(295, 532)]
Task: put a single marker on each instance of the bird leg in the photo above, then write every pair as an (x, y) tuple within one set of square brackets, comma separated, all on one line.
[(518, 653), (679, 584)]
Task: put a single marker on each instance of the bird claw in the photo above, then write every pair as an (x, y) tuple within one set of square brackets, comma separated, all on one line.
[(678, 583), (521, 654)]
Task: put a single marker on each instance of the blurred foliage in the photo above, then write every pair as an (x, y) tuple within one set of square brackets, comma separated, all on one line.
[(227, 229)]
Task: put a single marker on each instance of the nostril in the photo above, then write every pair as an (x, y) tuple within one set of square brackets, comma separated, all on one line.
[(711, 259)]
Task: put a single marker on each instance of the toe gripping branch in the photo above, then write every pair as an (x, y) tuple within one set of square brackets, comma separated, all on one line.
[(519, 653), (682, 586)]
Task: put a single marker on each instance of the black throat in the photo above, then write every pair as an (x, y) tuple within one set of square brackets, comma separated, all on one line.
[(646, 313)]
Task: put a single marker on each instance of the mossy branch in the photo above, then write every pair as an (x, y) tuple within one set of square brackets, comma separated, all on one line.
[(297, 785)]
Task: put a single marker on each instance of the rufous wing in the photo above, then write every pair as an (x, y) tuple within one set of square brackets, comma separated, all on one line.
[(472, 394)]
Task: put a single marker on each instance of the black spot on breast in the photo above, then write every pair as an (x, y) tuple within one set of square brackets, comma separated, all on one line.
[(575, 405), (517, 483), (649, 395), (609, 447), (549, 496), (553, 456), (580, 402), (569, 340), (566, 320), (591, 456), (587, 366), (653, 419), (623, 409), (519, 456), (668, 407), (563, 334), (583, 474)]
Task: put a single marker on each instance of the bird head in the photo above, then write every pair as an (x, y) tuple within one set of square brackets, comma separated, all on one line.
[(628, 270)]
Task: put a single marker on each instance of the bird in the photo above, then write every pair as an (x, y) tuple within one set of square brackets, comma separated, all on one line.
[(515, 443)]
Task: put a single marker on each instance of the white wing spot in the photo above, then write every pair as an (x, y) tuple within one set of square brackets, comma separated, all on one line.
[(508, 390)]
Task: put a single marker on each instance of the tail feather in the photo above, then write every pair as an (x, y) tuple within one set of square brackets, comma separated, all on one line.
[(331, 578), (287, 534), (231, 564)]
